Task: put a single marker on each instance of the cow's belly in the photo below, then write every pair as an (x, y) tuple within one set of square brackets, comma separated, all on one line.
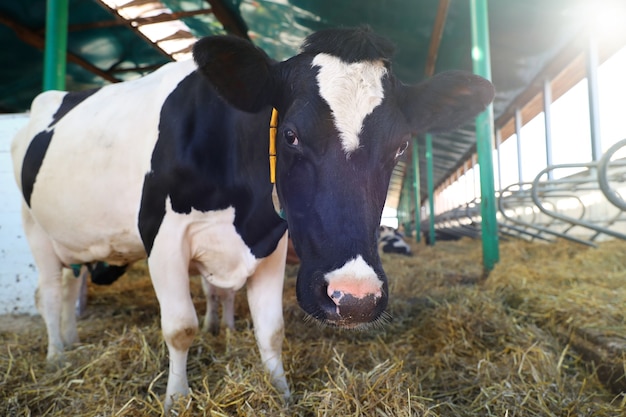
[(92, 234), (87, 192), (116, 250), (215, 249), (90, 214)]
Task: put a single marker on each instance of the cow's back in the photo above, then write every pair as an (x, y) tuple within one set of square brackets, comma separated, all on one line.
[(82, 159)]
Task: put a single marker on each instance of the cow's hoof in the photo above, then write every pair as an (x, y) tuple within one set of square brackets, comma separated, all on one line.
[(56, 362)]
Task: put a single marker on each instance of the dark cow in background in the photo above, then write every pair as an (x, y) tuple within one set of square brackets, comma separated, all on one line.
[(104, 274), (101, 273), (441, 235), (390, 240), (174, 167)]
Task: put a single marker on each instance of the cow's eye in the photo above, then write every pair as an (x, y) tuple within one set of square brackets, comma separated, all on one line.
[(402, 148), (291, 138)]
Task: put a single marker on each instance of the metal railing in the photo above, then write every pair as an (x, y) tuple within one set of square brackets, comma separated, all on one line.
[(572, 207)]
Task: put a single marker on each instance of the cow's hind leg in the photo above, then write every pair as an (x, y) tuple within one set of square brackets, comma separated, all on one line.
[(179, 323), (49, 293), (214, 297), (211, 321), (71, 291), (228, 308), (265, 299)]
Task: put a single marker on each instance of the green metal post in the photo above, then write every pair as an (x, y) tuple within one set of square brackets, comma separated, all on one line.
[(416, 189), (484, 136), (55, 50), (431, 188), (406, 213), (406, 191)]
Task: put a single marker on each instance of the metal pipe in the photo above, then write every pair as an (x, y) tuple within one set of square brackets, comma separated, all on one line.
[(408, 226), (399, 209), (416, 188), (431, 188), (498, 143), (594, 106), (466, 181), (405, 205), (475, 177), (481, 59), (547, 113), (518, 133), (56, 45)]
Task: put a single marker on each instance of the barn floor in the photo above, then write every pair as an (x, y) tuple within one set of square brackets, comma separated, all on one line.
[(543, 335)]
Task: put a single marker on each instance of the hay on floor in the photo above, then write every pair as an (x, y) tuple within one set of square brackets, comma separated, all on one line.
[(457, 345)]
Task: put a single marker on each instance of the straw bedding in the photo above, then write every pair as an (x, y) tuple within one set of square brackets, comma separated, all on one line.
[(538, 337)]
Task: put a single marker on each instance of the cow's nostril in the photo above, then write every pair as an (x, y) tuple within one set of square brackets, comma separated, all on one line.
[(336, 296), (357, 310)]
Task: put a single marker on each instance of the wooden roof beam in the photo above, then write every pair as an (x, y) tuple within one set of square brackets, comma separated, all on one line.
[(140, 21), (228, 19), (435, 37), (38, 41)]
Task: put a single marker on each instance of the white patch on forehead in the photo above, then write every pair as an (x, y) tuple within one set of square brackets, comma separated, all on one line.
[(352, 91)]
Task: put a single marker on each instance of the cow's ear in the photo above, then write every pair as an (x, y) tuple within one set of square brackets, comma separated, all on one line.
[(445, 101), (240, 72)]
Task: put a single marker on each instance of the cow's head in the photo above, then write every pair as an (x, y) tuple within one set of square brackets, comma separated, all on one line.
[(344, 121)]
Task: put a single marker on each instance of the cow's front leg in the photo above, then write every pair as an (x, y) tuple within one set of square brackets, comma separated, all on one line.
[(265, 299), (179, 323)]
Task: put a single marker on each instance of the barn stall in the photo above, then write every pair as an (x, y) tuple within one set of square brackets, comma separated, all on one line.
[(542, 334)]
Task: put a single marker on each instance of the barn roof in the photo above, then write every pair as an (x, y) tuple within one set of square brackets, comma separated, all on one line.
[(530, 41)]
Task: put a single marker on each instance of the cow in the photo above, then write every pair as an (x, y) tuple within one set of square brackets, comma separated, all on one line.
[(174, 167), (390, 240)]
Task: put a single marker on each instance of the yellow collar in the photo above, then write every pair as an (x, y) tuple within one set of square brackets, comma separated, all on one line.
[(273, 127)]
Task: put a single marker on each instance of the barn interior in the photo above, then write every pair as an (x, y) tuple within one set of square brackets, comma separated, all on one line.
[(539, 330), (116, 40)]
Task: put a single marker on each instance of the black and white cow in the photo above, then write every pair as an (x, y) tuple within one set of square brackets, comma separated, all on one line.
[(174, 167), (390, 240)]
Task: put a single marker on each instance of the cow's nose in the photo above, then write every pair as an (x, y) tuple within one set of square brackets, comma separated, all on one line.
[(355, 308), (356, 292)]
